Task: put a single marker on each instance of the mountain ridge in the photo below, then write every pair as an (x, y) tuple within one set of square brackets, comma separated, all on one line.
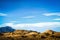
[(28, 34)]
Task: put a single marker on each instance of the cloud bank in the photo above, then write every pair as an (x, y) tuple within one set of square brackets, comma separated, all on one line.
[(41, 25)]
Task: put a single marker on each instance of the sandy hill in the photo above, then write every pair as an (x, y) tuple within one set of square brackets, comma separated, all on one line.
[(49, 31)]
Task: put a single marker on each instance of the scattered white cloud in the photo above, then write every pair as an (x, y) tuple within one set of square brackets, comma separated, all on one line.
[(28, 17), (51, 14), (2, 14), (56, 19), (44, 24)]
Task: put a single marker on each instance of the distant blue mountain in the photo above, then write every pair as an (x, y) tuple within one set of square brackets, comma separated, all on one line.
[(6, 29)]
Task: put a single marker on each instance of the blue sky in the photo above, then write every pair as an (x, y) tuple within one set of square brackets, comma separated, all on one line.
[(30, 13)]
